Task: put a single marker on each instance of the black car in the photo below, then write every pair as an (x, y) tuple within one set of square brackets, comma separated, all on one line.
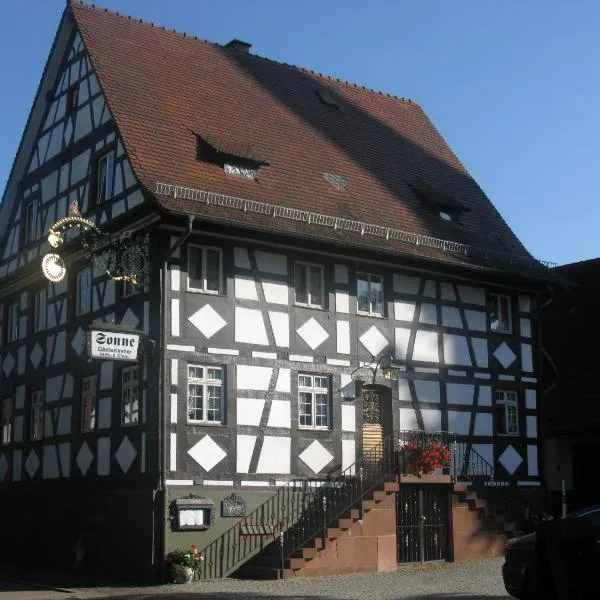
[(522, 555)]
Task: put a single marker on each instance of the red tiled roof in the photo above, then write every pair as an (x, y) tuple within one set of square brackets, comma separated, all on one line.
[(164, 88)]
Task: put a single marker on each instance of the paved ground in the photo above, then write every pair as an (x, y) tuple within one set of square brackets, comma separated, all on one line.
[(478, 580)]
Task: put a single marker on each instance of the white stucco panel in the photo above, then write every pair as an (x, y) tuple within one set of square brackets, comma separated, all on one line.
[(250, 327), (426, 346), (275, 455), (253, 378)]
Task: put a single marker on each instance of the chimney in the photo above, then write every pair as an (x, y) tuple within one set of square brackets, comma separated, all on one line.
[(239, 46)]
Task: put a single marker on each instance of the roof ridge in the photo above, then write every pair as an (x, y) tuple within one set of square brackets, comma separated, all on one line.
[(323, 76)]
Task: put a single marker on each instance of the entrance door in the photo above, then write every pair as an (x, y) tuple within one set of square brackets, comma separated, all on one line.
[(375, 421), (422, 523)]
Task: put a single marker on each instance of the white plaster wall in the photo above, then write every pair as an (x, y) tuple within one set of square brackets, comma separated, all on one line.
[(275, 292), (280, 324), (241, 259), (471, 295), (270, 262), (348, 417), (253, 378), (456, 350), (342, 302), (245, 447), (275, 455), (405, 284), (404, 311), (428, 314), (427, 391), (426, 346), (249, 411), (532, 460), (348, 456), (401, 338), (451, 317), (343, 337), (250, 327), (280, 415), (459, 422), (484, 424), (245, 288), (432, 419), (526, 358), (459, 393)]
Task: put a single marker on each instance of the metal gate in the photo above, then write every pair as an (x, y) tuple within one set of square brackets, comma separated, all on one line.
[(422, 515)]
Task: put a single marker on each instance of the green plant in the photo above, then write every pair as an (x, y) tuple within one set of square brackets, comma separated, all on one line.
[(185, 557)]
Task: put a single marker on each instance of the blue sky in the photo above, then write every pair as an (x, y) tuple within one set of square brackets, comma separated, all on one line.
[(513, 86)]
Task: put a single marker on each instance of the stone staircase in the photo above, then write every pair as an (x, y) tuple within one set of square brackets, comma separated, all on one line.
[(364, 539), (477, 530)]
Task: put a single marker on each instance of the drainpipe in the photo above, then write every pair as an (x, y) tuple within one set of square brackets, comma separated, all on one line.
[(164, 390)]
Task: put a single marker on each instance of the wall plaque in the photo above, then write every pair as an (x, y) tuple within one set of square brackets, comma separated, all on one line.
[(233, 506)]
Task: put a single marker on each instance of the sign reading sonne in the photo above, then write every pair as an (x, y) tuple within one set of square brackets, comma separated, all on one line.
[(113, 345)]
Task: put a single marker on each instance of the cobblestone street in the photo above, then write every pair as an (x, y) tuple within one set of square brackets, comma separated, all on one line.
[(477, 580)]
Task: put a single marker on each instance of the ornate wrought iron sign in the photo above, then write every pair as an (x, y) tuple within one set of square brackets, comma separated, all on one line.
[(233, 506), (119, 255)]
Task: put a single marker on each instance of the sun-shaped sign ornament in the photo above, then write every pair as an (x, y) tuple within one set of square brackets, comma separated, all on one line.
[(119, 257)]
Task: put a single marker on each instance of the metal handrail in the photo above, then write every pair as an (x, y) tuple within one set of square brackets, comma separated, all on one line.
[(298, 512), (469, 464)]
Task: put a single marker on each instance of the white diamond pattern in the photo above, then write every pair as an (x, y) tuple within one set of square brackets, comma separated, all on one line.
[(78, 341), (125, 454), (312, 333), (8, 365), (373, 340), (316, 456), (510, 459), (84, 458), (207, 321), (32, 463), (36, 355), (3, 467), (207, 453), (505, 355)]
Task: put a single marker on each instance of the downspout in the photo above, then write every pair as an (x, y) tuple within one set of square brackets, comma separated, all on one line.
[(164, 390)]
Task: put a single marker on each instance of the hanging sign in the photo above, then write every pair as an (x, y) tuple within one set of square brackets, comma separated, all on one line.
[(113, 345)]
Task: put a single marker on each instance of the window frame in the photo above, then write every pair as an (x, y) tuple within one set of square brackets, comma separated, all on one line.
[(105, 178), (314, 390), (79, 309), (130, 394), (36, 425), (370, 312), (13, 318), (7, 420), (309, 303), (497, 298), (40, 310), (32, 226), (205, 382), (505, 422), (89, 403), (203, 253)]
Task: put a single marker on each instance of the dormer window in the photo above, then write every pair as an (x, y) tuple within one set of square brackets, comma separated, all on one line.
[(446, 207), (235, 161), (240, 171), (326, 97), (72, 98)]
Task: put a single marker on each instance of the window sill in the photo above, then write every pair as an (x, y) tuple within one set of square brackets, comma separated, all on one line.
[(366, 314), (309, 428), (310, 306), (206, 424), (511, 435), (501, 331), (130, 424), (207, 292)]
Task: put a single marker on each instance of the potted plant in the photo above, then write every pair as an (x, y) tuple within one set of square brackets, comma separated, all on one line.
[(184, 563), (424, 455)]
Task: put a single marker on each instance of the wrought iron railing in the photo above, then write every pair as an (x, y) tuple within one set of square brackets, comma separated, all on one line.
[(299, 512), (469, 465)]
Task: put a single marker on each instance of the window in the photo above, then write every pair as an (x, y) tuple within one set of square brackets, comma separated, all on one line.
[(7, 420), (12, 332), (88, 403), (205, 269), (309, 284), (105, 174), (500, 313), (37, 415), (313, 401), (32, 221), (369, 294), (39, 310), (205, 394), (507, 404), (130, 394), (84, 292), (72, 99)]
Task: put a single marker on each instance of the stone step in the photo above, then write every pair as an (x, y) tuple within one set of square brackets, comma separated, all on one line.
[(391, 486), (345, 523)]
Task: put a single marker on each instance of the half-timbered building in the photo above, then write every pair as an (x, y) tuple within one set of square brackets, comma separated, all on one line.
[(298, 231)]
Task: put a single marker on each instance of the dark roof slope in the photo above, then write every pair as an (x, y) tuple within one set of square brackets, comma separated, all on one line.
[(166, 89)]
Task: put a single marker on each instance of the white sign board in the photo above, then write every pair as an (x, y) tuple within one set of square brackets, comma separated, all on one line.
[(113, 345)]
